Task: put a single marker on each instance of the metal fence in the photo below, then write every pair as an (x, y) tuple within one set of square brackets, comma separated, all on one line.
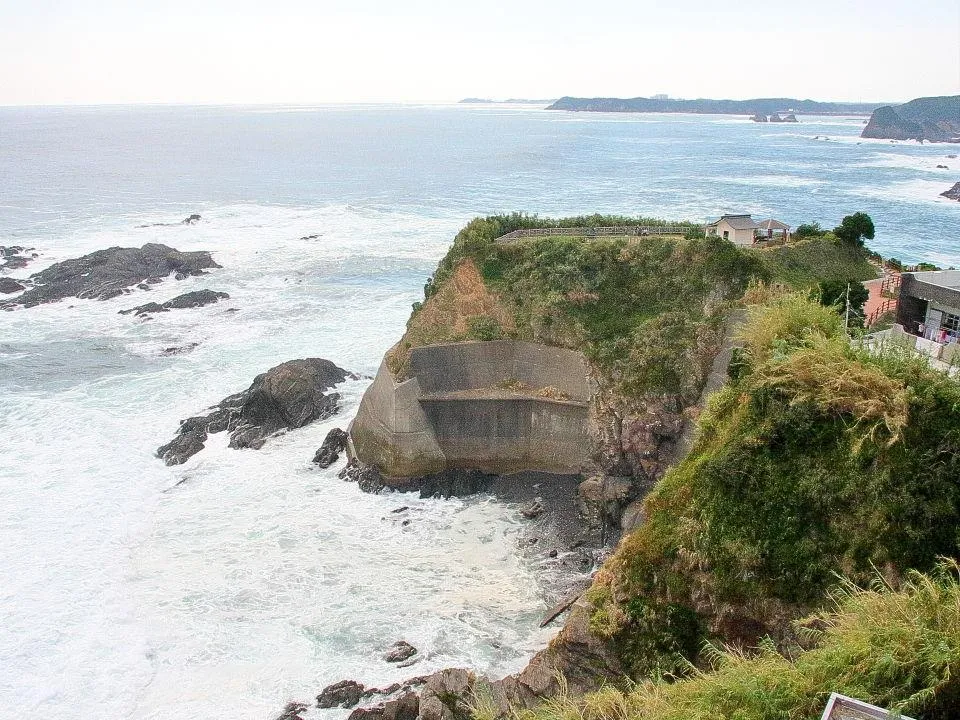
[(632, 230)]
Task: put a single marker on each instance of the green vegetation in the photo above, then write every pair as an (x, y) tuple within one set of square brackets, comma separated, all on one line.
[(646, 311), (896, 649), (838, 294), (817, 459), (853, 229)]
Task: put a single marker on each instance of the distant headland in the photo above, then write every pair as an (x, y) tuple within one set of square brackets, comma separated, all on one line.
[(934, 119), (508, 101), (756, 106)]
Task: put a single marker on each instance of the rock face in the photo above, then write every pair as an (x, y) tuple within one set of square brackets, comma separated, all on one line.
[(14, 257), (953, 193), (934, 119), (197, 298), (108, 273), (400, 651), (759, 118), (287, 396), (329, 452), (9, 285), (786, 118)]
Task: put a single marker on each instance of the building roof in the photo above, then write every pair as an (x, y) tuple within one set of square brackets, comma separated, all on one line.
[(841, 707), (737, 222), (949, 279), (774, 225)]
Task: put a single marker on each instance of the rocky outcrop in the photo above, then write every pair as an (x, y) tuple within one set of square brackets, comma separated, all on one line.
[(399, 652), (285, 397), (329, 452), (953, 193), (14, 257), (759, 118), (934, 119), (197, 298), (785, 118), (108, 273), (9, 285), (192, 219)]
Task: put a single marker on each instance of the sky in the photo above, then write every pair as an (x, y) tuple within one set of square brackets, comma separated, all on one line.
[(437, 51)]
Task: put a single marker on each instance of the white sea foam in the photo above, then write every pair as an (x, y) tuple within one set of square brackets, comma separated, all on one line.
[(258, 578)]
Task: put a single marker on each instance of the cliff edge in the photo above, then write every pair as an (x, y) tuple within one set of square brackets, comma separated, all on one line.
[(934, 119)]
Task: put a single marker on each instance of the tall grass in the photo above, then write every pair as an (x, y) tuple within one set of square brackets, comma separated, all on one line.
[(897, 649)]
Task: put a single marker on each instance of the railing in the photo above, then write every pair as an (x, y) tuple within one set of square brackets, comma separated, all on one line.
[(632, 230), (891, 285), (885, 307)]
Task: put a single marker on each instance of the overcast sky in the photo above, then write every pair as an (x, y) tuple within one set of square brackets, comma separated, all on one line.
[(316, 51)]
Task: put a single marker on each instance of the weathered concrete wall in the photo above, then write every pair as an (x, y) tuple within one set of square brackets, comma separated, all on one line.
[(503, 435), (416, 428), (391, 430), (455, 367)]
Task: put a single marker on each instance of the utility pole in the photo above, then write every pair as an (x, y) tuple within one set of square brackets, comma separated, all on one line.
[(846, 313)]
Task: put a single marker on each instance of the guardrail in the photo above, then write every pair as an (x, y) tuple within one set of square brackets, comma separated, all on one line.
[(631, 230), (885, 307)]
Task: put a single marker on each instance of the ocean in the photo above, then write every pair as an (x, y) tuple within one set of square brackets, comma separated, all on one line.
[(243, 579)]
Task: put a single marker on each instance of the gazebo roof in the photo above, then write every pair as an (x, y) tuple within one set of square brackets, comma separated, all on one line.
[(774, 225), (737, 222)]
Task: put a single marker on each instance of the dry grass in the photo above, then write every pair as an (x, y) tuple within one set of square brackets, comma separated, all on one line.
[(449, 315)]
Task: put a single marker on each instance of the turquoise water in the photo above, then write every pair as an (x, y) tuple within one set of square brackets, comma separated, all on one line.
[(244, 579)]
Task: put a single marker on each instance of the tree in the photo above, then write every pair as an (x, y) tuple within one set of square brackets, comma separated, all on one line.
[(833, 293), (854, 228), (808, 230)]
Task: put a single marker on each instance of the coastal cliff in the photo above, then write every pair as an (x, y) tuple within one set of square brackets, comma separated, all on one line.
[(817, 459), (934, 119)]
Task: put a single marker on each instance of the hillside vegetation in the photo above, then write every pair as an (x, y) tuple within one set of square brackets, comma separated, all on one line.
[(646, 311), (896, 649), (817, 459)]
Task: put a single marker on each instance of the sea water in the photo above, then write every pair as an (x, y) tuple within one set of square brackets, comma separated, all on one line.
[(243, 579)]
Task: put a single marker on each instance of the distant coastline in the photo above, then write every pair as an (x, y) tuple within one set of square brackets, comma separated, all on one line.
[(508, 101), (705, 106), (931, 119)]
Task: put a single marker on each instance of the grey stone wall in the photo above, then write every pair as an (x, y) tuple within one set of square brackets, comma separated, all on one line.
[(415, 428)]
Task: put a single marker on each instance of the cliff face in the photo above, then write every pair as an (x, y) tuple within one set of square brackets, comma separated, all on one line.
[(934, 119)]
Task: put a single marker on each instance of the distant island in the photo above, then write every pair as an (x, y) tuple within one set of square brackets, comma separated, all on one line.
[(935, 119), (508, 101), (756, 106)]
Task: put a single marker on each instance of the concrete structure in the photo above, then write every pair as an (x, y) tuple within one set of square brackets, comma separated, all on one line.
[(841, 707), (738, 229), (929, 305), (500, 406)]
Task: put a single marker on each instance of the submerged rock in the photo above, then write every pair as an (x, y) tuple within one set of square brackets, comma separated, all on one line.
[(9, 285), (329, 452), (398, 652), (197, 298), (179, 349), (285, 397), (953, 193), (532, 510), (105, 274), (366, 476)]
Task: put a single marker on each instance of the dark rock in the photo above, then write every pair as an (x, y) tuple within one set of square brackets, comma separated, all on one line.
[(345, 694), (329, 452), (144, 286), (532, 510), (366, 476), (191, 220), (405, 707), (942, 167), (9, 285), (447, 695), (105, 274), (285, 397), (293, 711), (15, 263), (953, 193), (180, 350), (405, 523), (375, 712), (759, 118), (454, 483), (197, 298), (400, 651), (778, 118), (401, 509), (311, 237)]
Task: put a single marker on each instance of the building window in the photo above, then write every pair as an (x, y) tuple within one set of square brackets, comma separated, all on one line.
[(950, 323), (726, 235)]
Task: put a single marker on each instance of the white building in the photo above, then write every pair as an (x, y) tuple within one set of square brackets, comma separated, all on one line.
[(738, 229)]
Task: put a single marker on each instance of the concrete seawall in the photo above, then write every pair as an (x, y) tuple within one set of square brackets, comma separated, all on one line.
[(499, 406)]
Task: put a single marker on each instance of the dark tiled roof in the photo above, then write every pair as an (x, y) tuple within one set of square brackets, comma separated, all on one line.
[(739, 222), (773, 225)]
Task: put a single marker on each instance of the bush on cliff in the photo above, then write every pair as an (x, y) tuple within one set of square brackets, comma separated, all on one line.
[(896, 649), (818, 459)]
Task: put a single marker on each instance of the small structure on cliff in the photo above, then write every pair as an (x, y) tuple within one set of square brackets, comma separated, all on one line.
[(497, 406), (738, 229)]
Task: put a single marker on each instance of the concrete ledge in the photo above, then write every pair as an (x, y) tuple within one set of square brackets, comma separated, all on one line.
[(457, 411)]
